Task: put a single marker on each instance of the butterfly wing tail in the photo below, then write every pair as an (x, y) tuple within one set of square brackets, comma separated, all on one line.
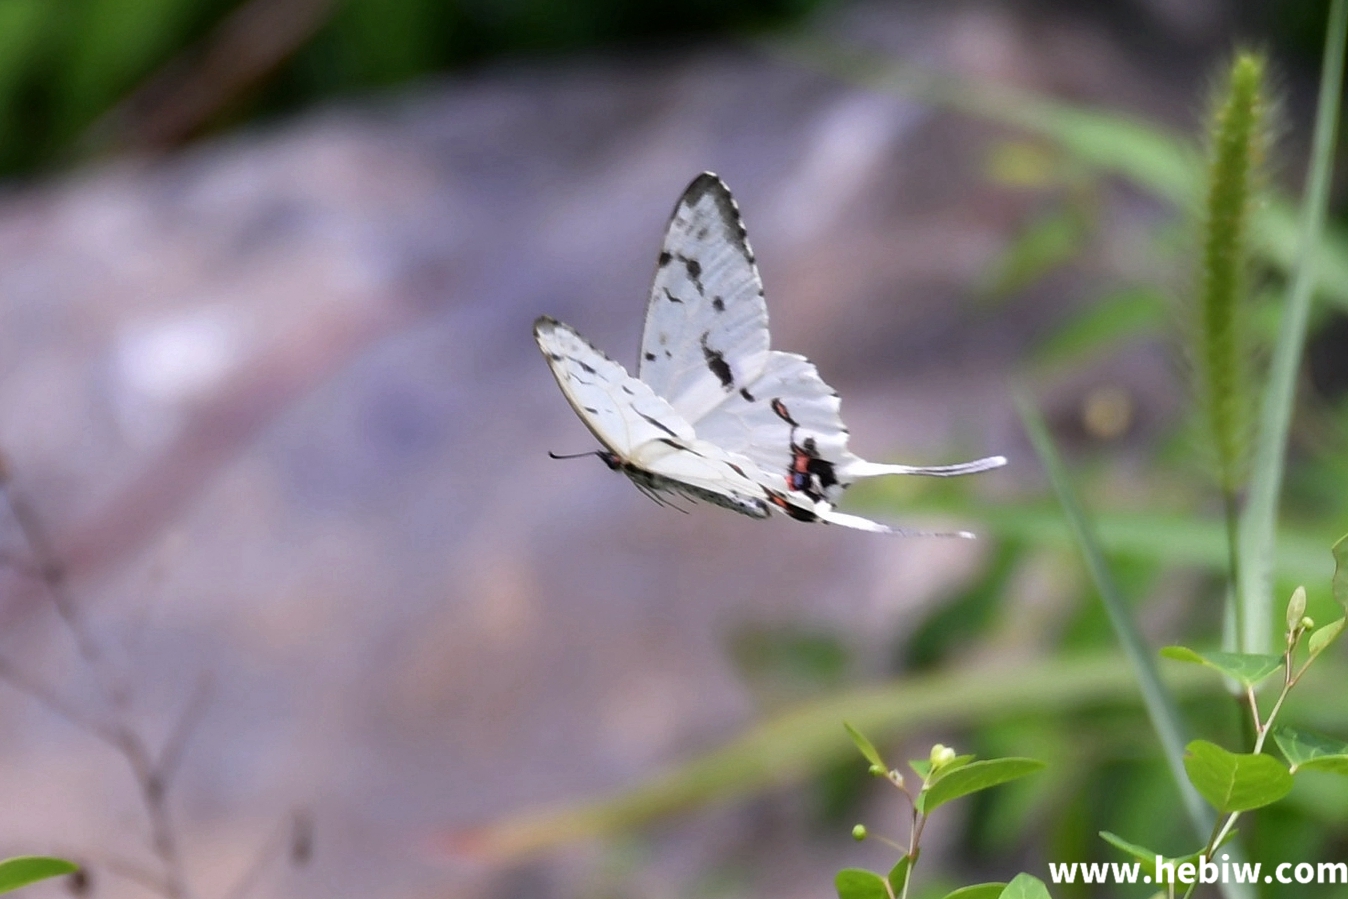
[(865, 524), (863, 469)]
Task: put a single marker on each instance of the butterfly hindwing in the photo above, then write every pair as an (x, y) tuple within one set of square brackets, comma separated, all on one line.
[(787, 422)]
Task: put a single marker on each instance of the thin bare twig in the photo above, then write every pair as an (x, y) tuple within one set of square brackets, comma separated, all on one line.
[(10, 673), (296, 827), (197, 85), (150, 775), (48, 566), (171, 753)]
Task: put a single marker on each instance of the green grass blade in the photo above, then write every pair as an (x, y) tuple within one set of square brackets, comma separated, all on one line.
[(1173, 537), (805, 739), (1165, 165), (1165, 719), (1258, 524)]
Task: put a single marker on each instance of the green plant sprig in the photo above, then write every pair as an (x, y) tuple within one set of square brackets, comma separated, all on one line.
[(1234, 783), (945, 776)]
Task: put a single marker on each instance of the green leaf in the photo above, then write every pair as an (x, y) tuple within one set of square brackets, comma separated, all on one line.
[(1182, 654), (1142, 853), (1334, 764), (1025, 886), (858, 883), (973, 777), (1340, 551), (898, 875), (1310, 751), (112, 45), (867, 748), (21, 871), (978, 891), (1325, 636), (1048, 242), (1234, 782), (1104, 323), (924, 766), (1296, 608), (1248, 668)]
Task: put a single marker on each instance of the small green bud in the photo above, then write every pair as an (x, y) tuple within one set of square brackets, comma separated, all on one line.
[(877, 771), (941, 755), (1307, 623), (859, 832), (1296, 608)]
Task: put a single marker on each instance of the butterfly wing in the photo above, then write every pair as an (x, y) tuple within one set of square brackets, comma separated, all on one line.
[(706, 331), (619, 410), (648, 440), (705, 348)]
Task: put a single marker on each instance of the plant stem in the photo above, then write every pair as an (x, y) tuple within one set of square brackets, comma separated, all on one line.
[(1258, 524)]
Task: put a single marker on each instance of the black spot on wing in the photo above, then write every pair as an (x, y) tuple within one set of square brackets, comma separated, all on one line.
[(585, 368), (664, 258), (592, 410), (669, 296), (718, 304), (655, 421), (650, 357), (716, 362), (694, 269), (779, 408), (748, 397), (790, 508), (708, 185)]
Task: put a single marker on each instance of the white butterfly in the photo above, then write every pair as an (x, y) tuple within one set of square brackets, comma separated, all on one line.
[(713, 414)]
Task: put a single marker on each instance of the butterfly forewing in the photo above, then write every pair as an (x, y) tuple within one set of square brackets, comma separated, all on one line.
[(706, 331), (619, 410), (705, 349), (653, 444)]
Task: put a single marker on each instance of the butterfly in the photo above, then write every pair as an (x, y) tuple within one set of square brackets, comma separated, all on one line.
[(714, 414)]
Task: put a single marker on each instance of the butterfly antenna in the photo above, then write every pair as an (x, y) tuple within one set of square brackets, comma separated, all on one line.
[(552, 455)]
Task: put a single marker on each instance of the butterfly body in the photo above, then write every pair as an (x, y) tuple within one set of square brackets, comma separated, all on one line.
[(714, 414)]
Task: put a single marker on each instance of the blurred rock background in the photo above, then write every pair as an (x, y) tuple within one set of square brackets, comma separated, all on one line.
[(267, 274)]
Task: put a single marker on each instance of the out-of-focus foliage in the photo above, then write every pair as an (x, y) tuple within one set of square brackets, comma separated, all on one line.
[(66, 64)]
